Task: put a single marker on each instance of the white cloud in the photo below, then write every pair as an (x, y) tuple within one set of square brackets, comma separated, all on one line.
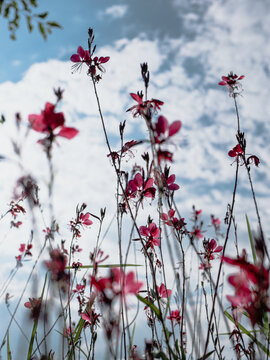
[(115, 11)]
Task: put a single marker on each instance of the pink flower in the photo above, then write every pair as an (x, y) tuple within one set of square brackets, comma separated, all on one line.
[(57, 265), (35, 306), (163, 292), (143, 107), (211, 248), (171, 220), (81, 56), (91, 317), (253, 160), (152, 233), (163, 131), (118, 283), (236, 151), (164, 155), (138, 186), (251, 288), (93, 64), (175, 316), (79, 289), (22, 248), (232, 83), (215, 222), (197, 233), (84, 218), (48, 121)]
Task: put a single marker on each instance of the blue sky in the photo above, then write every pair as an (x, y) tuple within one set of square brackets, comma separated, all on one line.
[(189, 45)]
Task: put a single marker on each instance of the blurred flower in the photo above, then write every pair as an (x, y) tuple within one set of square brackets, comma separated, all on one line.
[(175, 316), (48, 121)]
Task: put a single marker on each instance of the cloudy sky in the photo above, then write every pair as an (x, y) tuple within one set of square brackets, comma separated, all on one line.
[(188, 45)]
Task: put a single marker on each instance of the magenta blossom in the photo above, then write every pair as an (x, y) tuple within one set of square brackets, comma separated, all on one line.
[(137, 186), (83, 57), (163, 131), (48, 121), (171, 220), (152, 234), (197, 233), (163, 292), (251, 286), (253, 159), (118, 283), (211, 248), (232, 83), (143, 107), (175, 316)]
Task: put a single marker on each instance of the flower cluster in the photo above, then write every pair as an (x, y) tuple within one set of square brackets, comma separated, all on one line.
[(152, 235), (24, 251), (144, 108), (251, 285), (81, 220), (140, 188), (93, 63), (117, 284), (57, 265), (170, 220)]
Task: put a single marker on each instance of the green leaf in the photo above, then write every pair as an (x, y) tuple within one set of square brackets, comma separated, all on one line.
[(26, 8), (206, 355), (34, 330), (248, 333), (151, 305), (251, 241), (29, 23), (33, 3), (6, 11), (54, 24), (2, 119), (43, 15), (42, 30)]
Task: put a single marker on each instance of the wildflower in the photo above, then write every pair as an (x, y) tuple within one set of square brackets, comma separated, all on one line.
[(236, 151), (215, 222), (164, 155), (232, 83), (163, 292), (175, 316), (197, 233), (15, 209), (144, 107), (118, 283), (83, 57), (57, 266), (79, 289), (16, 224), (35, 306), (84, 218), (163, 131), (251, 288), (171, 220), (138, 186), (152, 233), (48, 121), (253, 159), (211, 248), (91, 317)]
